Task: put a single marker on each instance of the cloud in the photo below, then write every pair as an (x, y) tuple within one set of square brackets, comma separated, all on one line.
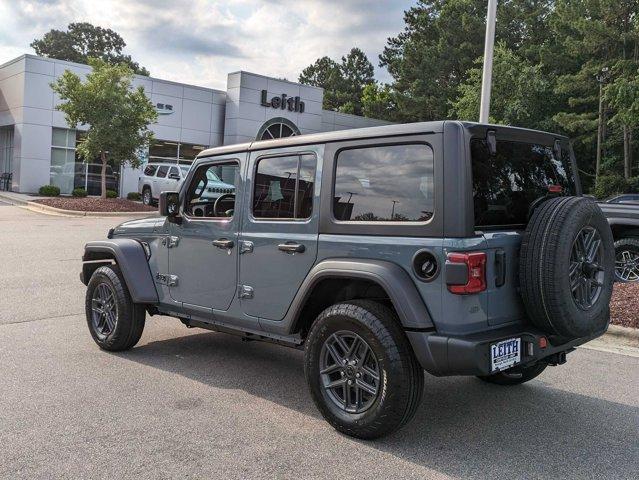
[(200, 41)]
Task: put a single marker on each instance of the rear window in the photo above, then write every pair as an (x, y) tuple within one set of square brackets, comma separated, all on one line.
[(506, 184), (384, 183)]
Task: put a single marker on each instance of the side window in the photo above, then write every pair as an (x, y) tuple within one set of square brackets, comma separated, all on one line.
[(162, 171), (150, 170), (384, 183), (284, 186), (174, 171), (211, 193)]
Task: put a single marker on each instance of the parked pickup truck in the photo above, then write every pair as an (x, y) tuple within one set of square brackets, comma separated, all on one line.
[(624, 221)]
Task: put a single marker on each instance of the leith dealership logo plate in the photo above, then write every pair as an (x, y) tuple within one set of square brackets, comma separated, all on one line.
[(505, 354), (283, 102)]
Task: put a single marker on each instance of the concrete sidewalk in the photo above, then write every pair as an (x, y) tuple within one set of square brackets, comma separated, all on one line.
[(15, 198)]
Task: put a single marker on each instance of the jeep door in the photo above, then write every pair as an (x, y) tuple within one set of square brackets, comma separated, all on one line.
[(280, 228), (203, 259)]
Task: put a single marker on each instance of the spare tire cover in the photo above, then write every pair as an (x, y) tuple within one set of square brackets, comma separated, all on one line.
[(567, 267)]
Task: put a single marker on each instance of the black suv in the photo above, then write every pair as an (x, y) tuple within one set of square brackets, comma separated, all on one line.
[(451, 247)]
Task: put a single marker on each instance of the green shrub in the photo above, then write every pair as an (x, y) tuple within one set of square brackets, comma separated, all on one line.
[(79, 192), (609, 185), (135, 196), (112, 194), (49, 191)]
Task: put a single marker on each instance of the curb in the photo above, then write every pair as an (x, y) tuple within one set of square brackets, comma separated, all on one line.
[(74, 213), (625, 334)]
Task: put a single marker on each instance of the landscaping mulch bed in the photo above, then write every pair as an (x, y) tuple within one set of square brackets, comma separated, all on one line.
[(624, 305), (95, 204)]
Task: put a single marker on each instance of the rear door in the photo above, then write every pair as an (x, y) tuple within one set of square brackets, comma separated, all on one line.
[(279, 234), (524, 169)]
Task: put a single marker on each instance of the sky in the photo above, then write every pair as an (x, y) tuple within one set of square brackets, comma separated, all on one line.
[(199, 42)]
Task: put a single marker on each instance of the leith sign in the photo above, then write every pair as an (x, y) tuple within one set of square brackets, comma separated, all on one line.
[(283, 102)]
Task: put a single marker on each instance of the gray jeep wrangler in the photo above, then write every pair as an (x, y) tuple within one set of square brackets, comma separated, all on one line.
[(451, 247)]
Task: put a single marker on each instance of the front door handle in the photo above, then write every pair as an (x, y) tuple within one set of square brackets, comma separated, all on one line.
[(290, 247), (223, 243)]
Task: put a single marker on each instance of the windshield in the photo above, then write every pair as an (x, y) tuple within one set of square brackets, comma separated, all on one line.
[(507, 183)]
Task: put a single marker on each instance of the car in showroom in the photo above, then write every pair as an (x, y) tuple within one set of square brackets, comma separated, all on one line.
[(448, 247)]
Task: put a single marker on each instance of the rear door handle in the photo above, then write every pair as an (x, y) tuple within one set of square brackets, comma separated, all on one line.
[(223, 243), (290, 247)]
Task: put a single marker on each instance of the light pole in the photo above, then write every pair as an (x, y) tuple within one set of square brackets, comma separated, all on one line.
[(487, 74), (393, 210), (601, 77)]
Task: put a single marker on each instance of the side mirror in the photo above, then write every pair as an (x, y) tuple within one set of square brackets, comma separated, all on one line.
[(174, 176), (169, 206)]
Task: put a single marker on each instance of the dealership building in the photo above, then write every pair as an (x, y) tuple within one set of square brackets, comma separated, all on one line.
[(37, 146)]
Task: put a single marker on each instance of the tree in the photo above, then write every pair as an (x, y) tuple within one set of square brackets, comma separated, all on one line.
[(442, 40), (82, 41), (520, 92), (118, 116), (343, 83), (325, 73)]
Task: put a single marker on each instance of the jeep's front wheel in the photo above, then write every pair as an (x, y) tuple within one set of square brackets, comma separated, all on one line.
[(115, 322), (361, 370)]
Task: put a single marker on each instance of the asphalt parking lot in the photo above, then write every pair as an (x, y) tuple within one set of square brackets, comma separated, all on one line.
[(195, 404)]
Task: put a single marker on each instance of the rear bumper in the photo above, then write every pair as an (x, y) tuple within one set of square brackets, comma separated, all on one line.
[(443, 355)]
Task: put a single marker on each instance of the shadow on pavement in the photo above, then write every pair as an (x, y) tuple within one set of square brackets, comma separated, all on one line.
[(463, 428)]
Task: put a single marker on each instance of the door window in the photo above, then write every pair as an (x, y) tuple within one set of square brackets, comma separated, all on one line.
[(173, 172), (162, 171), (389, 183), (284, 186), (211, 193)]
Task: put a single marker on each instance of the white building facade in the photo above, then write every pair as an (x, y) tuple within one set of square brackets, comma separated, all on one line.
[(37, 147)]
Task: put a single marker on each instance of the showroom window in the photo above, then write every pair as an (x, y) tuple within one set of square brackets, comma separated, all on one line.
[(6, 149), (69, 171), (63, 163), (173, 152)]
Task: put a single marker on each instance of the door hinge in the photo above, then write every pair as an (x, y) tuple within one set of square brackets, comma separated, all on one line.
[(246, 247), (165, 279), (244, 291)]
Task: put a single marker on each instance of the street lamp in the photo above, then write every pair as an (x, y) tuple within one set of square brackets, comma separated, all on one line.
[(487, 74)]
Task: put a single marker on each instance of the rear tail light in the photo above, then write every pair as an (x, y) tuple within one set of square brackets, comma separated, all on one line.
[(473, 264)]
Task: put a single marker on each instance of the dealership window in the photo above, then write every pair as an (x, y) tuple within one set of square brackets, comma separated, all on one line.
[(69, 171), (165, 151), (384, 183), (284, 187), (63, 170), (6, 149)]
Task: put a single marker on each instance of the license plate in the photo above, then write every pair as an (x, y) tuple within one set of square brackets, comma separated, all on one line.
[(505, 354)]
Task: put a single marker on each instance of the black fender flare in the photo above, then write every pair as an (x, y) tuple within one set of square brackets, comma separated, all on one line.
[(130, 258), (396, 282)]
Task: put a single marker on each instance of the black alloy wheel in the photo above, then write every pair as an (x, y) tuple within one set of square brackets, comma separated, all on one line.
[(104, 310), (627, 260), (349, 372), (586, 271)]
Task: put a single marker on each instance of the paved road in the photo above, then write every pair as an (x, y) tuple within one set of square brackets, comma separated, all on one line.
[(195, 404)]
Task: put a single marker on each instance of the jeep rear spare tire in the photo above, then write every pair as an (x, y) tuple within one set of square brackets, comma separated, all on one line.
[(567, 267)]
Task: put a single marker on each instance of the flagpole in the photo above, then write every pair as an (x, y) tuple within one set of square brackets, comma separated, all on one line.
[(487, 75)]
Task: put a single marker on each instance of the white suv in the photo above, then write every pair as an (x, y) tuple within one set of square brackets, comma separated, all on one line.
[(160, 177)]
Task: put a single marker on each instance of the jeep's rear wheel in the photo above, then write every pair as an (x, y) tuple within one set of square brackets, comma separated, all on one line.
[(361, 371), (115, 322), (516, 375)]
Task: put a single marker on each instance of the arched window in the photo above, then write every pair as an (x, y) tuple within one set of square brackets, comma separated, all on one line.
[(277, 128)]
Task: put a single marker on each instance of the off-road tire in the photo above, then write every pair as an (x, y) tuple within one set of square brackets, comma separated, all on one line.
[(626, 244), (545, 262), (147, 199), (401, 377), (516, 375), (130, 316)]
